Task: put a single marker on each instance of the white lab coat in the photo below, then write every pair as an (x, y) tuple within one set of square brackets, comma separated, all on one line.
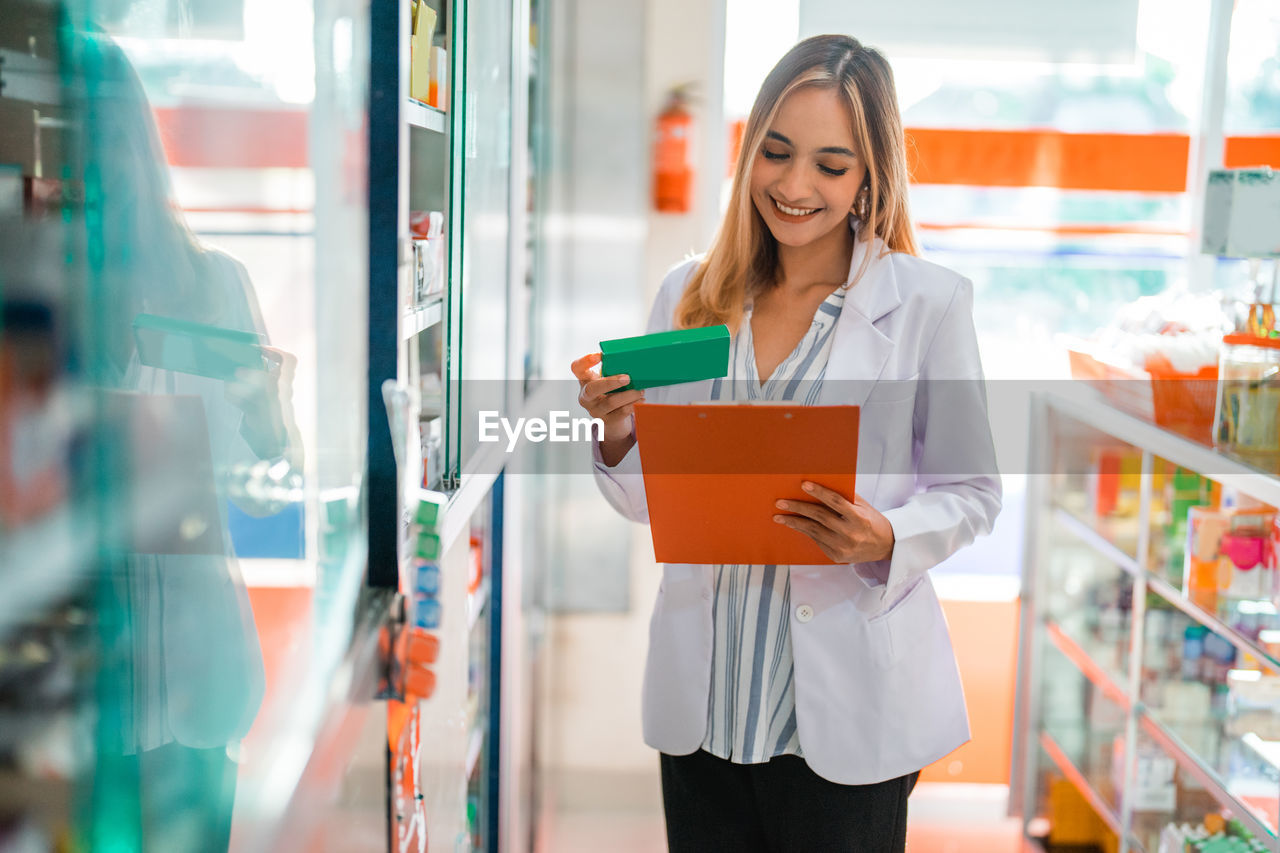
[(878, 692)]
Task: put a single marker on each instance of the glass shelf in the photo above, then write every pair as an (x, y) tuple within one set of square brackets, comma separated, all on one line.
[(417, 320), (1100, 802), (1082, 403), (426, 117), (1214, 717), (1109, 539), (1103, 676), (1236, 777), (1267, 657), (1086, 719)]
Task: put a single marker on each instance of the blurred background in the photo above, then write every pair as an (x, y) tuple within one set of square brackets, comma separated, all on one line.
[(265, 260)]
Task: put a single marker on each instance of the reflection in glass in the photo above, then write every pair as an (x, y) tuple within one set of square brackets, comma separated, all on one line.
[(198, 406)]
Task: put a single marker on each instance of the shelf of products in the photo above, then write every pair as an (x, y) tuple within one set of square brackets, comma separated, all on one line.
[(418, 320), (426, 117), (1150, 623)]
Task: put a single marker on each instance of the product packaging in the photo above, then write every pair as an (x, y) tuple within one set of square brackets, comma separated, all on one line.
[(668, 358), (1230, 555), (438, 87), (428, 254), (424, 29)]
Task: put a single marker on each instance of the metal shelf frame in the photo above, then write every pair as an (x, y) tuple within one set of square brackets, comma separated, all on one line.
[(1036, 629)]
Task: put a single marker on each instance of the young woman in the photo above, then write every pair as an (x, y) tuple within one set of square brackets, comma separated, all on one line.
[(795, 705)]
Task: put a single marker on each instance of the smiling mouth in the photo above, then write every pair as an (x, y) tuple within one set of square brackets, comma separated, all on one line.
[(794, 211)]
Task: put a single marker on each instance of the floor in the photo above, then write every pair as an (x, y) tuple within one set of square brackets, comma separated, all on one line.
[(945, 818)]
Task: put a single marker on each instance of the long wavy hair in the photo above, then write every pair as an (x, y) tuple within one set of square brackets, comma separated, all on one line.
[(743, 257)]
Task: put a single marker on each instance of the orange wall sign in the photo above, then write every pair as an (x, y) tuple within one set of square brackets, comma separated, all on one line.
[(1124, 162)]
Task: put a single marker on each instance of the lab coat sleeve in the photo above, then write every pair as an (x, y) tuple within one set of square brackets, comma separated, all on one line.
[(623, 484), (958, 491)]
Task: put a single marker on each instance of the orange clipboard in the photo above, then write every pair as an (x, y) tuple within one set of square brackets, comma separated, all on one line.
[(714, 472)]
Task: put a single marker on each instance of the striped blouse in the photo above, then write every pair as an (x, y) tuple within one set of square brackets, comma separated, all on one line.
[(751, 716)]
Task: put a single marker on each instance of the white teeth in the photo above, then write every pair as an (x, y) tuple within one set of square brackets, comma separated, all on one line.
[(794, 211)]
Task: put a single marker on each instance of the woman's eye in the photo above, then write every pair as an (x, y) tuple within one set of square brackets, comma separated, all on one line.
[(830, 171), (772, 155)]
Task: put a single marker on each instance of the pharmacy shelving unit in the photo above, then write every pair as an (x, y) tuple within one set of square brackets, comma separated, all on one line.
[(440, 360), (1104, 613)]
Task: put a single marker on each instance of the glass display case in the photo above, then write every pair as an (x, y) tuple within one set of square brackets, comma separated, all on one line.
[(1148, 676), (234, 259)]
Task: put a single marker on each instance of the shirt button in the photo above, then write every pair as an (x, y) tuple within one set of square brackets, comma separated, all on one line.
[(804, 613)]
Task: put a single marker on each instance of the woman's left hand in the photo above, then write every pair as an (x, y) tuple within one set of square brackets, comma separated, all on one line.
[(847, 532), (265, 397)]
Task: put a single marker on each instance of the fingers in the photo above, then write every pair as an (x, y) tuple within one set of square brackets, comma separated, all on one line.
[(819, 513), (598, 388), (838, 502), (581, 367), (608, 404), (819, 533)]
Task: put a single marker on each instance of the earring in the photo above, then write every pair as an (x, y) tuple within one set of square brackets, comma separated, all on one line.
[(862, 203)]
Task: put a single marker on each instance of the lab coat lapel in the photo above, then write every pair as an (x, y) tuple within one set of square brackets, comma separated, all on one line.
[(859, 351)]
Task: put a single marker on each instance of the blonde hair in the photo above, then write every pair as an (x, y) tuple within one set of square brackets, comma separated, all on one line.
[(743, 258)]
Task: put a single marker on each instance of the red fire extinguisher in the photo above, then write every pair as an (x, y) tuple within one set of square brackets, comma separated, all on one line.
[(673, 155)]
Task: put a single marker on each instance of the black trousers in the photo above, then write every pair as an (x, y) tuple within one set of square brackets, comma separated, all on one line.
[(778, 807)]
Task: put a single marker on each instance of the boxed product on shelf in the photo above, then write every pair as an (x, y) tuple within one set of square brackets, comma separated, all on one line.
[(1114, 484), (1216, 834), (1183, 490), (438, 88), (428, 62), (430, 432), (423, 30), (1073, 822), (1230, 555), (1252, 704), (428, 254)]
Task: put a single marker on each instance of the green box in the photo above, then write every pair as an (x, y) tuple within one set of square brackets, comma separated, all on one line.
[(196, 348), (429, 509), (668, 358), (428, 546)]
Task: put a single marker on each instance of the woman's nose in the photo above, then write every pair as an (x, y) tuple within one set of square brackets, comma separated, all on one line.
[(794, 185)]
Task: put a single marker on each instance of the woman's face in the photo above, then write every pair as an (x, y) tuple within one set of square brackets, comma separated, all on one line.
[(808, 171)]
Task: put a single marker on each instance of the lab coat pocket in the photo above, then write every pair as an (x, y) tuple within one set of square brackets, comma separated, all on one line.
[(885, 433), (892, 391), (902, 627)]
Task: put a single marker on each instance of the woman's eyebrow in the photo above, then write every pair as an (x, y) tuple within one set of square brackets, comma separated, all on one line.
[(830, 149)]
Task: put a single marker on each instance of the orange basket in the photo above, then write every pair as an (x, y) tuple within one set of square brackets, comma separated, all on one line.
[(1180, 402)]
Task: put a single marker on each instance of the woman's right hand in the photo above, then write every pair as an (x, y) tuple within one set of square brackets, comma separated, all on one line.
[(614, 409)]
